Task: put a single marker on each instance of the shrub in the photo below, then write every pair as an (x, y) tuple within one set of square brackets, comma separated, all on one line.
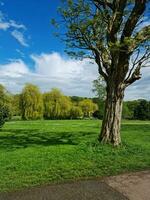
[(4, 115)]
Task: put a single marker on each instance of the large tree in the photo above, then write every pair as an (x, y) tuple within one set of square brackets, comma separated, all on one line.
[(115, 34), (31, 103), (56, 105)]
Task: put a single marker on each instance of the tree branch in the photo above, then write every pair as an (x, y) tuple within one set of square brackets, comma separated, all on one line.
[(99, 63), (140, 37), (116, 21), (136, 75), (133, 65), (136, 13), (105, 4)]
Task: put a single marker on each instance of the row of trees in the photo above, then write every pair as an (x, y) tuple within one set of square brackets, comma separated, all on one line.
[(139, 109), (32, 104), (132, 110)]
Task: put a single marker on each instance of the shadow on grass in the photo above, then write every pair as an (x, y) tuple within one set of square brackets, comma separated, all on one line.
[(22, 138), (136, 127)]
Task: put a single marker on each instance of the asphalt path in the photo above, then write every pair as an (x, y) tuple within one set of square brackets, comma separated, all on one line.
[(81, 190), (132, 186)]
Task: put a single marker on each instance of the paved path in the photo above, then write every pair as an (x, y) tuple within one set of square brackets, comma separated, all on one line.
[(135, 186)]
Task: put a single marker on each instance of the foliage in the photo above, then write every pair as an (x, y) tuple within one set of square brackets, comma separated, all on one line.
[(99, 88), (56, 105), (59, 106), (142, 110), (31, 103), (88, 107), (66, 149), (16, 108), (52, 104), (4, 115), (137, 109), (110, 32), (5, 105), (77, 99), (132, 106), (126, 112), (2, 120), (76, 112), (3, 95), (66, 105)]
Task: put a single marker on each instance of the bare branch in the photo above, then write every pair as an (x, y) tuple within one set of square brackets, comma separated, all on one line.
[(133, 65), (136, 75)]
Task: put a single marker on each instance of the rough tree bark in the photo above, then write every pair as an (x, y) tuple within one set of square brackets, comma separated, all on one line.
[(110, 131)]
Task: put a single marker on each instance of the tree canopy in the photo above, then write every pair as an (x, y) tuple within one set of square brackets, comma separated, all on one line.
[(5, 105), (31, 102), (113, 33), (56, 105), (88, 107)]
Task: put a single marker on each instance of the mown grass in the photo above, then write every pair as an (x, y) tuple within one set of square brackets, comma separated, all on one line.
[(40, 152)]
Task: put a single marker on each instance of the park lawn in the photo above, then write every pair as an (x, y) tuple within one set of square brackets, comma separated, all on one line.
[(41, 152)]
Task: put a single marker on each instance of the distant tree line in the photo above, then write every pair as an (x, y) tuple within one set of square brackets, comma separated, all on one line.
[(31, 104), (132, 110)]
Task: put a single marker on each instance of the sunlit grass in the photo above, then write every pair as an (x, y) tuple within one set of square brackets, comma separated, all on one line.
[(40, 152)]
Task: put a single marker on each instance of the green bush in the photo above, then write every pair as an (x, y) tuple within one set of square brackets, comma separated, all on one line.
[(4, 115), (2, 121)]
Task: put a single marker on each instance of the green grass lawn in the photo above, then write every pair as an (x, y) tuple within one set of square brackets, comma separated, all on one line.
[(40, 152)]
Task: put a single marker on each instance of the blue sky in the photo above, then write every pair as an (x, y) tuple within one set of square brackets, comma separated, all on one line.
[(29, 52), (35, 15)]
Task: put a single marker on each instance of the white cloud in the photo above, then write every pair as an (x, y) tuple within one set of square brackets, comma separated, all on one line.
[(4, 26), (14, 69), (71, 76), (9, 23), (50, 70), (19, 37), (17, 33), (16, 25), (140, 89), (54, 65)]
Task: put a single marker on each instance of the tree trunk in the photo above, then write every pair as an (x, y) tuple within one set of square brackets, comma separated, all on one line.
[(110, 132)]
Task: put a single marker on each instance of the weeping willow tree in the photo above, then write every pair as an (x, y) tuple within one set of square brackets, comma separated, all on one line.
[(31, 103), (116, 35), (56, 105)]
